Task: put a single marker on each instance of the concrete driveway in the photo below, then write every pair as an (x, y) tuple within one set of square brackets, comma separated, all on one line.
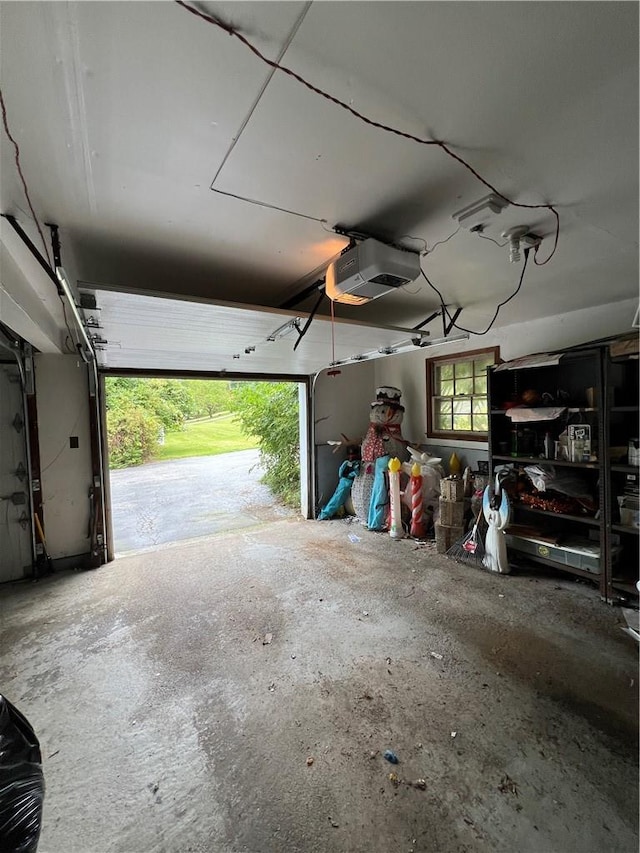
[(182, 499)]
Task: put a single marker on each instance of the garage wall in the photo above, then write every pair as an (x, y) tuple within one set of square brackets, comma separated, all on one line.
[(63, 411), (408, 371), (341, 405), (15, 531)]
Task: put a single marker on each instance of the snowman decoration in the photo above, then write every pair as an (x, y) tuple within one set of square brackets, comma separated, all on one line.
[(382, 442)]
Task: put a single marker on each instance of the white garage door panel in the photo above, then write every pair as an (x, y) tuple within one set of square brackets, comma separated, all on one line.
[(159, 333)]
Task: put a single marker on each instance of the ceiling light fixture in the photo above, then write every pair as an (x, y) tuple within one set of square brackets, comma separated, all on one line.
[(480, 213), (517, 236), (513, 236)]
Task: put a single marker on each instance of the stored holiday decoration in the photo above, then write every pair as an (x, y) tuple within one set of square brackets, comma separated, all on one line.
[(383, 441), (347, 474)]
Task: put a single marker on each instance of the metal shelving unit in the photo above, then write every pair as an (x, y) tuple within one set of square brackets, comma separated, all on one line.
[(620, 391), (613, 380), (575, 371)]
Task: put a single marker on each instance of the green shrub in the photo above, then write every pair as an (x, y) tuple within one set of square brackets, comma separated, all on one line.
[(132, 434), (269, 411)]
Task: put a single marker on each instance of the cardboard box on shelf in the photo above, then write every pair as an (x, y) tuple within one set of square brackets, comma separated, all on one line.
[(579, 437)]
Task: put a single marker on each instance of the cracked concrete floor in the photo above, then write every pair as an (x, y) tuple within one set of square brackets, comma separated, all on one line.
[(167, 725)]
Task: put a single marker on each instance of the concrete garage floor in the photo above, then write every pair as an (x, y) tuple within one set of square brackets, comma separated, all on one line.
[(167, 725)]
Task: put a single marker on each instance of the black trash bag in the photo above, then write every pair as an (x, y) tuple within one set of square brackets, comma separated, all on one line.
[(21, 782)]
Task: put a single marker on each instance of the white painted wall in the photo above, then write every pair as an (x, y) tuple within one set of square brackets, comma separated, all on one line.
[(407, 371), (341, 404), (63, 411)]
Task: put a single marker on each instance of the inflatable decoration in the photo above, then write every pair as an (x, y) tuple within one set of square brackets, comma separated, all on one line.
[(383, 439), (347, 473)]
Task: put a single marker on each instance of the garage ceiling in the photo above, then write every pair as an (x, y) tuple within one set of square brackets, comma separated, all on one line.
[(139, 125)]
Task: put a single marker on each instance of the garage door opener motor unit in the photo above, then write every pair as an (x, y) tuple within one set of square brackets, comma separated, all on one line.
[(368, 270)]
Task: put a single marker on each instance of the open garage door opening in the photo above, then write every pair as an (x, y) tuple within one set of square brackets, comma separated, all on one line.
[(190, 458)]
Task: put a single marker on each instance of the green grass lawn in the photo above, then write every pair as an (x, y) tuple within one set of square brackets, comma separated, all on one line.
[(205, 438)]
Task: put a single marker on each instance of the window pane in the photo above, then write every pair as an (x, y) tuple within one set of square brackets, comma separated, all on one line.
[(464, 386), (463, 369), (459, 402), (483, 362), (445, 371), (461, 407), (462, 422), (480, 385)]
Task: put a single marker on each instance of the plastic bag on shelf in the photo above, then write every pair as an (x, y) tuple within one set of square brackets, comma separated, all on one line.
[(546, 477), (21, 782)]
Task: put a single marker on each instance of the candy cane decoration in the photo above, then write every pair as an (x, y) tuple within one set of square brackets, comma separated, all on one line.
[(395, 530), (417, 525)]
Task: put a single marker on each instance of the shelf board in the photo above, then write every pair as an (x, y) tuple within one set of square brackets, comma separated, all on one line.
[(592, 576), (627, 469), (594, 522), (570, 409), (625, 408), (623, 528), (537, 460), (624, 586)]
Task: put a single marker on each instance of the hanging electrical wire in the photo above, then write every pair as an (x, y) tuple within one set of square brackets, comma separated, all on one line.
[(387, 128), (69, 349), (422, 240), (428, 250), (491, 240), (456, 325), (334, 371)]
